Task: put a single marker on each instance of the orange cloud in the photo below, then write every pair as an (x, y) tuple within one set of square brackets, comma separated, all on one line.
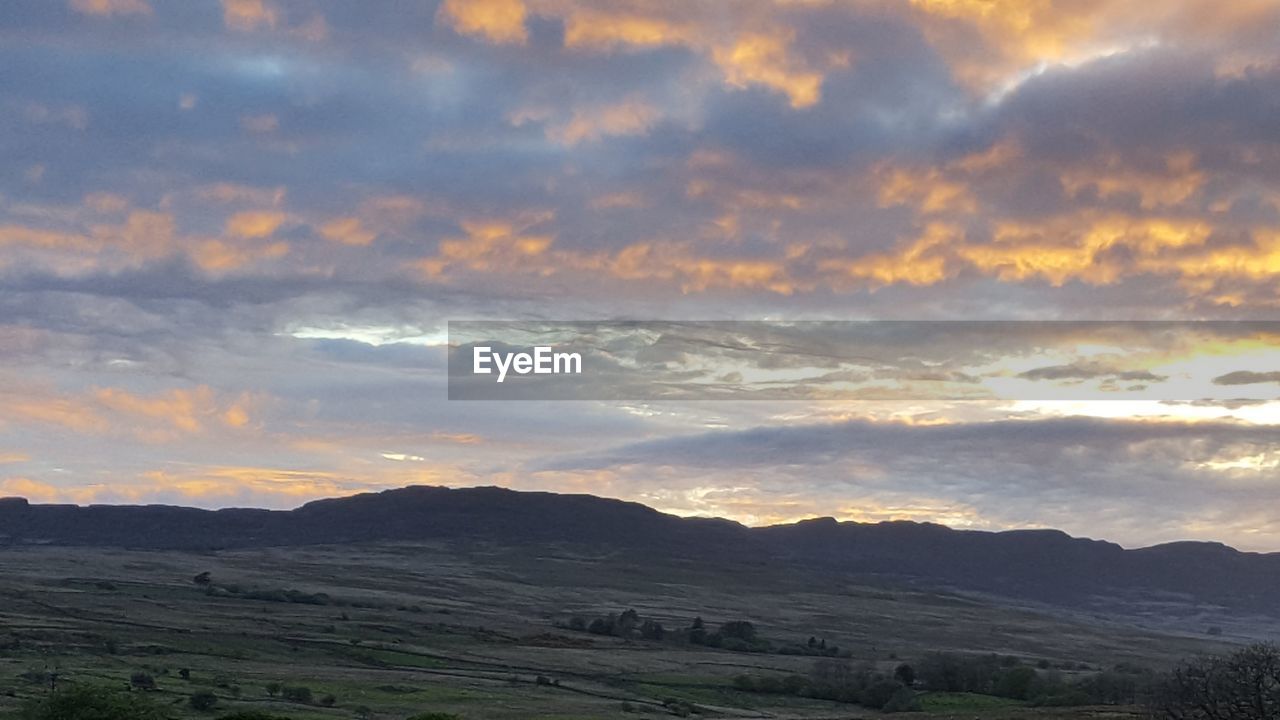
[(348, 231), (254, 224), (40, 492), (152, 418), (111, 7), (491, 243), (1175, 183), (929, 190), (764, 59), (221, 256), (1066, 249), (921, 262), (497, 21), (751, 47), (697, 273), (630, 117), (247, 15), (601, 27), (1015, 38), (185, 410)]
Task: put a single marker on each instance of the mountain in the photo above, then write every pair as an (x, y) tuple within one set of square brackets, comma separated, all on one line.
[(1043, 565)]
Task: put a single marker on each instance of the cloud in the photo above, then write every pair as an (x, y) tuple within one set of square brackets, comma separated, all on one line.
[(282, 202), (1245, 377), (1014, 473), (761, 59), (497, 21), (348, 230), (248, 15), (111, 7), (255, 224)]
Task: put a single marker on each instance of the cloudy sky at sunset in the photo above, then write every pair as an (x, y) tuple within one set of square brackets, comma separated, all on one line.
[(232, 234)]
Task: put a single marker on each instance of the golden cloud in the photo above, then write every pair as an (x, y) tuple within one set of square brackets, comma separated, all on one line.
[(159, 417), (247, 15), (757, 58), (497, 21), (255, 223), (348, 231)]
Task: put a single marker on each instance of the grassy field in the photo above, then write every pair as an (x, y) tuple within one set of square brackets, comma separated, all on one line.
[(479, 631)]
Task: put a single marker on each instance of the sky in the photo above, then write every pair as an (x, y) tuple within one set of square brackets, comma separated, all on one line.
[(232, 234)]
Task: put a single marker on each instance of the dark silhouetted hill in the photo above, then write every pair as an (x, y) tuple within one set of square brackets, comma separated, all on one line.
[(1044, 565)]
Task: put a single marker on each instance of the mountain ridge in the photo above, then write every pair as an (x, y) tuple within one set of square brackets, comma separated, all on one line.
[(1039, 564)]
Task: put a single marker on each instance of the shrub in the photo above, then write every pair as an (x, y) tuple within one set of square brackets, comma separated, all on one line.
[(203, 701), (142, 681), (1244, 685), (84, 702), (904, 699), (1015, 683), (297, 694)]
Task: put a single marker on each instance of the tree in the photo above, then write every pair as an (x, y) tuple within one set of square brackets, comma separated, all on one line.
[(1016, 683), (601, 626), (905, 674), (739, 629), (652, 630), (87, 702), (142, 681), (698, 632), (272, 688), (1244, 685)]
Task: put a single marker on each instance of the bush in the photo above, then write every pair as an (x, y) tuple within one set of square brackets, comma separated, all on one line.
[(142, 681), (203, 701), (878, 693), (251, 715), (296, 694), (1244, 685), (904, 699), (1015, 683), (92, 703)]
